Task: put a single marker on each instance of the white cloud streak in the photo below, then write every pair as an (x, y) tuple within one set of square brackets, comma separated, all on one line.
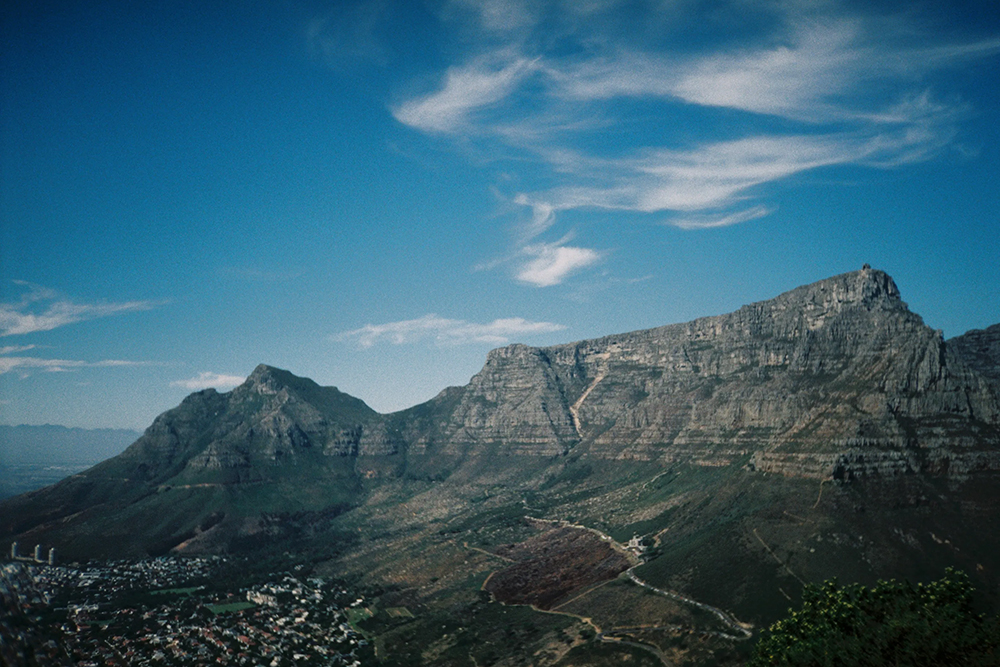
[(205, 380), (822, 60), (842, 88), (818, 77), (446, 331), (25, 365), (42, 309), (708, 221), (482, 83), (723, 174), (551, 263)]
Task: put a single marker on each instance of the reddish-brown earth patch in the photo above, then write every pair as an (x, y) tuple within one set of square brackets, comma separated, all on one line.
[(550, 566)]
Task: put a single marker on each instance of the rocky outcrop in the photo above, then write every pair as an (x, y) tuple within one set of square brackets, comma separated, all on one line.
[(516, 405), (173, 439)]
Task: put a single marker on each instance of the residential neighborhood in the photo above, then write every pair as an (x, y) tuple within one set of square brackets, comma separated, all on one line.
[(166, 611)]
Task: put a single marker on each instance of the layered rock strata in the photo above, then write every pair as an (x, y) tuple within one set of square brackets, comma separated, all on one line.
[(837, 378)]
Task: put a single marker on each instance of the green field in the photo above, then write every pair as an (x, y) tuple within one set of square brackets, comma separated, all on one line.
[(399, 612), (232, 606), (356, 615)]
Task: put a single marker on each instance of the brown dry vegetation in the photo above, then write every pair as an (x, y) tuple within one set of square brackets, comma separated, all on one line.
[(551, 566)]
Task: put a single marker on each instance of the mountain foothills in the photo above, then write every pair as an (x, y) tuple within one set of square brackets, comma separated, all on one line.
[(827, 432)]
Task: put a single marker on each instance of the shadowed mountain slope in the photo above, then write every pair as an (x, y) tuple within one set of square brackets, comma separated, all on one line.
[(276, 443)]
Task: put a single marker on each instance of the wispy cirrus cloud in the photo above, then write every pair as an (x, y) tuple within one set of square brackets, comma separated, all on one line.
[(499, 16), (708, 221), (446, 331), (817, 63), (715, 177), (825, 72), (818, 85), (467, 88), (43, 309), (205, 380), (25, 365)]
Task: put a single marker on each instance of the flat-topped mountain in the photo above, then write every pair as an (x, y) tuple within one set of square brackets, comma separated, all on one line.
[(808, 381), (832, 403)]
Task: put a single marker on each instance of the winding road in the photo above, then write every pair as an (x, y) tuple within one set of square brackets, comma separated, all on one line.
[(742, 630)]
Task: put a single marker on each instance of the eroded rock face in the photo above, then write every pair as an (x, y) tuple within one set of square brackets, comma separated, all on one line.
[(174, 437), (837, 378), (980, 349), (517, 405)]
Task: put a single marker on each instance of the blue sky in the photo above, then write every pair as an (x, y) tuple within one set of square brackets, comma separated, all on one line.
[(374, 194)]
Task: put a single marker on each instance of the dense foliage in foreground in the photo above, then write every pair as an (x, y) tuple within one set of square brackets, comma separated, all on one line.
[(892, 623)]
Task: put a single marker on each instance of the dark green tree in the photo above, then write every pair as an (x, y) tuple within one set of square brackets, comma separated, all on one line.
[(892, 623)]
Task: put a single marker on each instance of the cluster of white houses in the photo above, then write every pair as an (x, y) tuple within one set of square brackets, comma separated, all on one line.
[(37, 558)]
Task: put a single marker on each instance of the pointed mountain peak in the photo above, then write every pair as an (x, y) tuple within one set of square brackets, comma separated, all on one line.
[(264, 371), (269, 380)]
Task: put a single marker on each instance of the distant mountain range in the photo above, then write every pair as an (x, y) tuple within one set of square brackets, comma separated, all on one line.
[(50, 444), (825, 432), (35, 456)]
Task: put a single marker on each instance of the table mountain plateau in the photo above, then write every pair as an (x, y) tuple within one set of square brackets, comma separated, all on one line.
[(834, 378), (827, 431)]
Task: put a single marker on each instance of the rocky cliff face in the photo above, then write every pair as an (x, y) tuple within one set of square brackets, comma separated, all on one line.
[(517, 405), (837, 378), (980, 349)]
